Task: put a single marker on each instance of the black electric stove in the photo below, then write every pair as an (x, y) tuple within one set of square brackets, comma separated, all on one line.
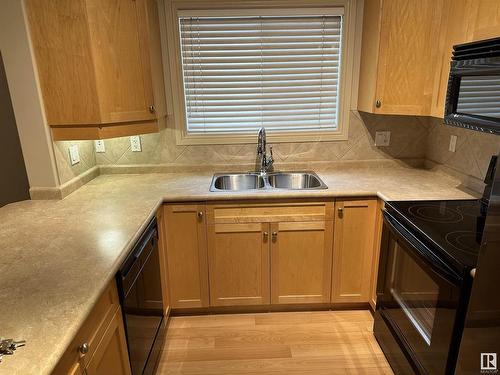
[(424, 281), (453, 228)]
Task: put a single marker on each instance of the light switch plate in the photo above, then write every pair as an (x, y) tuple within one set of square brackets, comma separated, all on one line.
[(382, 138), (135, 143), (453, 143), (99, 146), (74, 156)]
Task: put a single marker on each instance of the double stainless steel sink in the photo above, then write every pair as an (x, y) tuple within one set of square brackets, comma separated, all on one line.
[(273, 180)]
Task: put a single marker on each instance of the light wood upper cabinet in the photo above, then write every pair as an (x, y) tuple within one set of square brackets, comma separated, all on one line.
[(399, 51), (301, 258), (186, 255), (463, 21), (238, 257), (354, 236), (99, 66)]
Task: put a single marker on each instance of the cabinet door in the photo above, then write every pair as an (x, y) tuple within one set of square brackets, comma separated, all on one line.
[(238, 256), (111, 355), (301, 258), (407, 49), (377, 243), (354, 235), (120, 50), (186, 255), (484, 19), (76, 369)]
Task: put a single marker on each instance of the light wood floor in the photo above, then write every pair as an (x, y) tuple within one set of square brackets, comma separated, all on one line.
[(293, 343)]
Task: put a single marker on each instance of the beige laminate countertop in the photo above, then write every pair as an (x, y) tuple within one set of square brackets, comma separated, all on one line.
[(56, 257)]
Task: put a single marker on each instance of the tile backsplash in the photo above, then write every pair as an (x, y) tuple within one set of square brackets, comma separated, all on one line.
[(67, 171), (407, 142), (473, 150), (413, 139)]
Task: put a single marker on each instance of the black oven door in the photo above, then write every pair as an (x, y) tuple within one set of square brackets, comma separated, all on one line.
[(417, 303)]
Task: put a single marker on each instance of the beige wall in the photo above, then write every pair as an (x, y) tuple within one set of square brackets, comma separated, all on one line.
[(34, 135), (14, 186)]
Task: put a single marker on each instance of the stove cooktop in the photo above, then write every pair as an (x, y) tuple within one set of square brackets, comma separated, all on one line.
[(454, 227)]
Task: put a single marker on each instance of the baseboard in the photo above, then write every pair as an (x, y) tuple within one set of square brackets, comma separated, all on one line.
[(62, 191), (268, 308)]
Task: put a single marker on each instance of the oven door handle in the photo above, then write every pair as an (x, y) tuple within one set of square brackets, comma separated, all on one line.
[(421, 250)]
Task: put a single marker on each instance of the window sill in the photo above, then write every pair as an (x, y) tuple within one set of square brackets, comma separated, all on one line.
[(221, 139)]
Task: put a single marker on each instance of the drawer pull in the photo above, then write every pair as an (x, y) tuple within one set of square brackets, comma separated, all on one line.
[(275, 234), (84, 348)]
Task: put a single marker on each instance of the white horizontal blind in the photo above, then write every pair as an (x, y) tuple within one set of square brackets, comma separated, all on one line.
[(479, 95), (244, 72)]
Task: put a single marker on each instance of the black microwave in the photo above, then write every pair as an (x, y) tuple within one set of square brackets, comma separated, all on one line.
[(473, 95)]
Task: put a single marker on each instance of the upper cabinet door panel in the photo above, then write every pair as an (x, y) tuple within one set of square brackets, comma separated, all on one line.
[(407, 40), (99, 63), (398, 56), (485, 19), (59, 35), (119, 39)]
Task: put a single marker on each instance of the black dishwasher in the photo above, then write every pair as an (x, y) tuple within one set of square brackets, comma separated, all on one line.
[(139, 289)]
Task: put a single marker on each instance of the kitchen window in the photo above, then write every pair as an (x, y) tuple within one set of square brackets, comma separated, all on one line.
[(241, 69)]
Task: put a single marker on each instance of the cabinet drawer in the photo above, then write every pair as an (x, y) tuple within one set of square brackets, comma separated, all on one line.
[(91, 332), (269, 212)]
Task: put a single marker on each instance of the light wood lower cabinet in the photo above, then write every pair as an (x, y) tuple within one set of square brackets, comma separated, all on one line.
[(186, 255), (238, 264), (301, 259), (103, 336), (354, 237), (111, 355), (260, 253), (379, 223)]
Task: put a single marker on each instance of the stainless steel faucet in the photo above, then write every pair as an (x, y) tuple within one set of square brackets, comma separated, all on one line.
[(265, 162)]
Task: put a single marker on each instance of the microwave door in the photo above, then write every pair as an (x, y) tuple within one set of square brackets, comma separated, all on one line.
[(473, 95)]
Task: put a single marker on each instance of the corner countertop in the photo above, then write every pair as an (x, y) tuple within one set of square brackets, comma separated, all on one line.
[(58, 256)]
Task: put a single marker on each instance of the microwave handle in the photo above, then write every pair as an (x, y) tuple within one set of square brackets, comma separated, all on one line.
[(419, 249)]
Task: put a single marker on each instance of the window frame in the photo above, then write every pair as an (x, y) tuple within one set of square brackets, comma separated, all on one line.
[(350, 51)]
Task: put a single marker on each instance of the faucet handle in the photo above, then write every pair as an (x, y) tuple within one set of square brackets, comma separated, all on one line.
[(270, 161)]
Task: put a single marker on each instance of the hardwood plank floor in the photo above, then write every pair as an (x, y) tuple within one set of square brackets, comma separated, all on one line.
[(292, 343)]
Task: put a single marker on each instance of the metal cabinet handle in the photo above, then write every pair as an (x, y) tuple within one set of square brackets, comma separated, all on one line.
[(84, 348), (340, 211), (275, 234), (265, 235), (378, 103), (200, 215), (152, 109)]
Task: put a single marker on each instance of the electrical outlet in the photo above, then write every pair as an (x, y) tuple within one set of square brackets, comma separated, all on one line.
[(382, 138), (135, 143), (99, 146), (74, 156), (453, 143)]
